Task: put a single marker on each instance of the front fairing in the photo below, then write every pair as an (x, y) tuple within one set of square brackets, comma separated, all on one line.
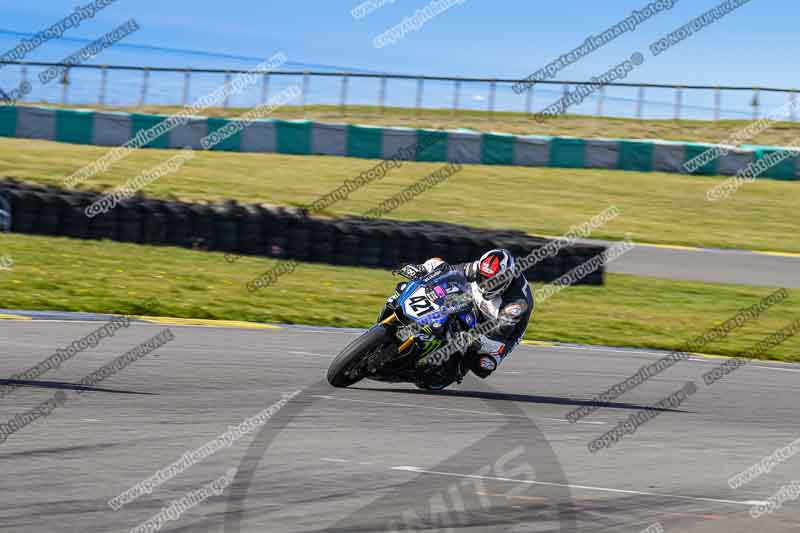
[(431, 300)]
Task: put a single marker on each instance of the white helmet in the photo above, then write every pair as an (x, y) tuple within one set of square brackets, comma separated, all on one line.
[(497, 271)]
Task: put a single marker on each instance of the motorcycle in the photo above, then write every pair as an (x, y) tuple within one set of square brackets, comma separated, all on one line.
[(428, 314)]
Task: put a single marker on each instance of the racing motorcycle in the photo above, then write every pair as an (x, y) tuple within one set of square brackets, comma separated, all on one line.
[(428, 313)]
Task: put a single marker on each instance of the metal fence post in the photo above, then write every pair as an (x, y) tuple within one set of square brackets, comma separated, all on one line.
[(304, 95), (601, 93), (101, 98), (227, 100), (756, 103), (678, 102), (64, 86), (529, 99), (23, 80), (418, 101), (382, 95), (793, 99), (186, 81), (717, 103), (456, 94), (640, 103), (343, 95), (492, 94), (264, 88), (564, 94), (145, 81)]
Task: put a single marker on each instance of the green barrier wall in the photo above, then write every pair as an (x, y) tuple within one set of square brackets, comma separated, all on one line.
[(370, 142)]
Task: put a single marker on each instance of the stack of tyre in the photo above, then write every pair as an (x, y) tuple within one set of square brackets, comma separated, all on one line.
[(281, 232), (388, 243)]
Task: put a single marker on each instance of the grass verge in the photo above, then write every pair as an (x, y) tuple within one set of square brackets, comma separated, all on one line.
[(654, 207), (74, 275)]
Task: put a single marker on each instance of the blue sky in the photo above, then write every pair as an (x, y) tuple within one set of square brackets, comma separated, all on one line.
[(755, 45)]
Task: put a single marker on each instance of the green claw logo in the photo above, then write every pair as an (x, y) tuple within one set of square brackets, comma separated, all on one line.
[(430, 346)]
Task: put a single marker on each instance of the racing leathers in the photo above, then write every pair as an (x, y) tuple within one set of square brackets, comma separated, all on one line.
[(510, 311)]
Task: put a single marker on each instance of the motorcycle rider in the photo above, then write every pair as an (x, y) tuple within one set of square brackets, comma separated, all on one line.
[(499, 294)]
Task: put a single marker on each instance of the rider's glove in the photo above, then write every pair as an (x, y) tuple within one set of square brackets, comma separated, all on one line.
[(417, 271), (432, 264), (411, 271)]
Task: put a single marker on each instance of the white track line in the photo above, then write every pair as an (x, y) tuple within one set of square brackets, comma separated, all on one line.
[(335, 460), (136, 322), (470, 411), (312, 353), (599, 349), (658, 355), (419, 470), (301, 329), (776, 368)]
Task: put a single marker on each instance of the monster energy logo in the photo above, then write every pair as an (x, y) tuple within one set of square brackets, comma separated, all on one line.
[(430, 346)]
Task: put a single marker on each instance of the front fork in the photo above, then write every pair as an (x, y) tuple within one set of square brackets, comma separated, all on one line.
[(391, 319), (387, 315)]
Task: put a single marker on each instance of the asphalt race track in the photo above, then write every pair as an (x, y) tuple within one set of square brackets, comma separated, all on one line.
[(384, 457), (709, 264)]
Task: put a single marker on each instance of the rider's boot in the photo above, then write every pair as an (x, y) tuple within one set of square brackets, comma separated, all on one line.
[(484, 355)]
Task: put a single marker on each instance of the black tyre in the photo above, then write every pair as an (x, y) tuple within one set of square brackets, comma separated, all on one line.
[(339, 372), (251, 229)]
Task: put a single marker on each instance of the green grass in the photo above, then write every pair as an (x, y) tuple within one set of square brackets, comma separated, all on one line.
[(655, 207), (781, 133), (74, 275)]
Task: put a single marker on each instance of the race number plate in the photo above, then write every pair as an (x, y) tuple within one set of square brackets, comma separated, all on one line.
[(418, 304)]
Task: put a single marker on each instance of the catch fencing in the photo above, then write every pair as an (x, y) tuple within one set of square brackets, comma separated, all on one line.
[(127, 85)]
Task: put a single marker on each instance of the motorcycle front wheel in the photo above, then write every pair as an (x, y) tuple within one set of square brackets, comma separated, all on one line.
[(346, 370)]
